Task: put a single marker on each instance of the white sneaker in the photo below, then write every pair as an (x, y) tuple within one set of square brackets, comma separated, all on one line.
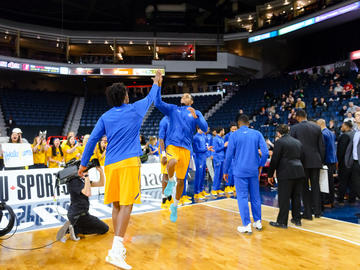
[(257, 225), (118, 259), (245, 229)]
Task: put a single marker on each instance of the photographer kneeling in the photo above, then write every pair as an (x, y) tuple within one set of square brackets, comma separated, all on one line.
[(80, 221)]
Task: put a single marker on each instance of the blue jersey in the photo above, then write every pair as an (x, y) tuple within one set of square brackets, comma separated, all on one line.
[(209, 143), (219, 148), (121, 125), (330, 147), (244, 145), (199, 146), (182, 125)]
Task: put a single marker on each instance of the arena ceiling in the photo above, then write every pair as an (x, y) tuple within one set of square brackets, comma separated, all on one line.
[(205, 16)]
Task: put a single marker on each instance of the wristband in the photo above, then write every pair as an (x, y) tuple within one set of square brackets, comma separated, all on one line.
[(163, 153)]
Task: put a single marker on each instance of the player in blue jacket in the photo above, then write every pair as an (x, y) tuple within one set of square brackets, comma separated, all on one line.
[(183, 122), (219, 157), (243, 148), (121, 124), (229, 185), (201, 150)]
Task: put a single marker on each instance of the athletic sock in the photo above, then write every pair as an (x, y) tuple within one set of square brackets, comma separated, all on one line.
[(176, 202), (172, 178), (117, 243)]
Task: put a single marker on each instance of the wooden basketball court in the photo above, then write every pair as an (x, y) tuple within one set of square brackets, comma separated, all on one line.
[(204, 237)]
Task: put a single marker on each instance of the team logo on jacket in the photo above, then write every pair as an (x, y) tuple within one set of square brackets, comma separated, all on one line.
[(189, 114)]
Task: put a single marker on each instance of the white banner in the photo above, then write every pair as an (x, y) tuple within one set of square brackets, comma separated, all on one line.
[(21, 186), (17, 154)]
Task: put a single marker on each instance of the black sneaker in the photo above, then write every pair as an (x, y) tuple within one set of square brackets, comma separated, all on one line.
[(296, 222), (278, 225)]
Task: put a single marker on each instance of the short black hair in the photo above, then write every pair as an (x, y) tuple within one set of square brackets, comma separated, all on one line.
[(301, 113), (219, 129), (233, 124), (349, 124), (243, 118), (283, 129), (115, 94)]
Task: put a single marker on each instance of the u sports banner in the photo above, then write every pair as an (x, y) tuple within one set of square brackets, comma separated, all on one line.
[(23, 186), (17, 154)]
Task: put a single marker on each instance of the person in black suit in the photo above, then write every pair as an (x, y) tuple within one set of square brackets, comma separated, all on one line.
[(287, 162), (352, 157), (309, 134), (344, 172)]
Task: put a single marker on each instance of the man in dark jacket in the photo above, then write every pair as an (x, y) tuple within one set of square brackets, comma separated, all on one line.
[(309, 134), (344, 172), (287, 162)]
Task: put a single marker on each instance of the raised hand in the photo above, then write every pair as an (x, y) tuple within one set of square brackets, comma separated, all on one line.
[(192, 111)]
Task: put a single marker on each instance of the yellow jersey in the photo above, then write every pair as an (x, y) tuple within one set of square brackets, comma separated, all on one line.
[(39, 156), (75, 154), (58, 157), (97, 154)]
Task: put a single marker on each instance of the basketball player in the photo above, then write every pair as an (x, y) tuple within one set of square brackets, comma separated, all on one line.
[(163, 127), (121, 124), (229, 185), (182, 126)]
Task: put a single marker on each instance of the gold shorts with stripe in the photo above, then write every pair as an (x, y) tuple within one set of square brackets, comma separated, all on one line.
[(182, 156), (123, 182)]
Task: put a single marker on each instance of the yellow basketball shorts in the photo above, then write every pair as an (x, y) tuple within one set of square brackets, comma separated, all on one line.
[(123, 182), (182, 156), (163, 167)]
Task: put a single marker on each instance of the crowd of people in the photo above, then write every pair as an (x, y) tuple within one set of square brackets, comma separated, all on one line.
[(55, 152)]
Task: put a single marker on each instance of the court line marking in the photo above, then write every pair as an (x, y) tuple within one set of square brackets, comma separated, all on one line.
[(291, 226), (335, 219)]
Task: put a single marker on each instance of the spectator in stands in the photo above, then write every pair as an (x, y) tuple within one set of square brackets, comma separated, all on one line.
[(349, 118), (314, 103), (100, 150), (39, 148), (71, 149), (145, 148), (292, 117), (283, 106), (270, 121), (271, 110), (330, 161), (322, 104), (154, 150), (344, 172), (277, 120), (351, 108), (84, 142), (348, 86), (55, 154), (268, 97), (309, 134), (300, 104), (343, 110), (15, 138), (338, 88), (70, 134)]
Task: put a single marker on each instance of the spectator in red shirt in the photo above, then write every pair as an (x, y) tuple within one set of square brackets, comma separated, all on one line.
[(348, 86)]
